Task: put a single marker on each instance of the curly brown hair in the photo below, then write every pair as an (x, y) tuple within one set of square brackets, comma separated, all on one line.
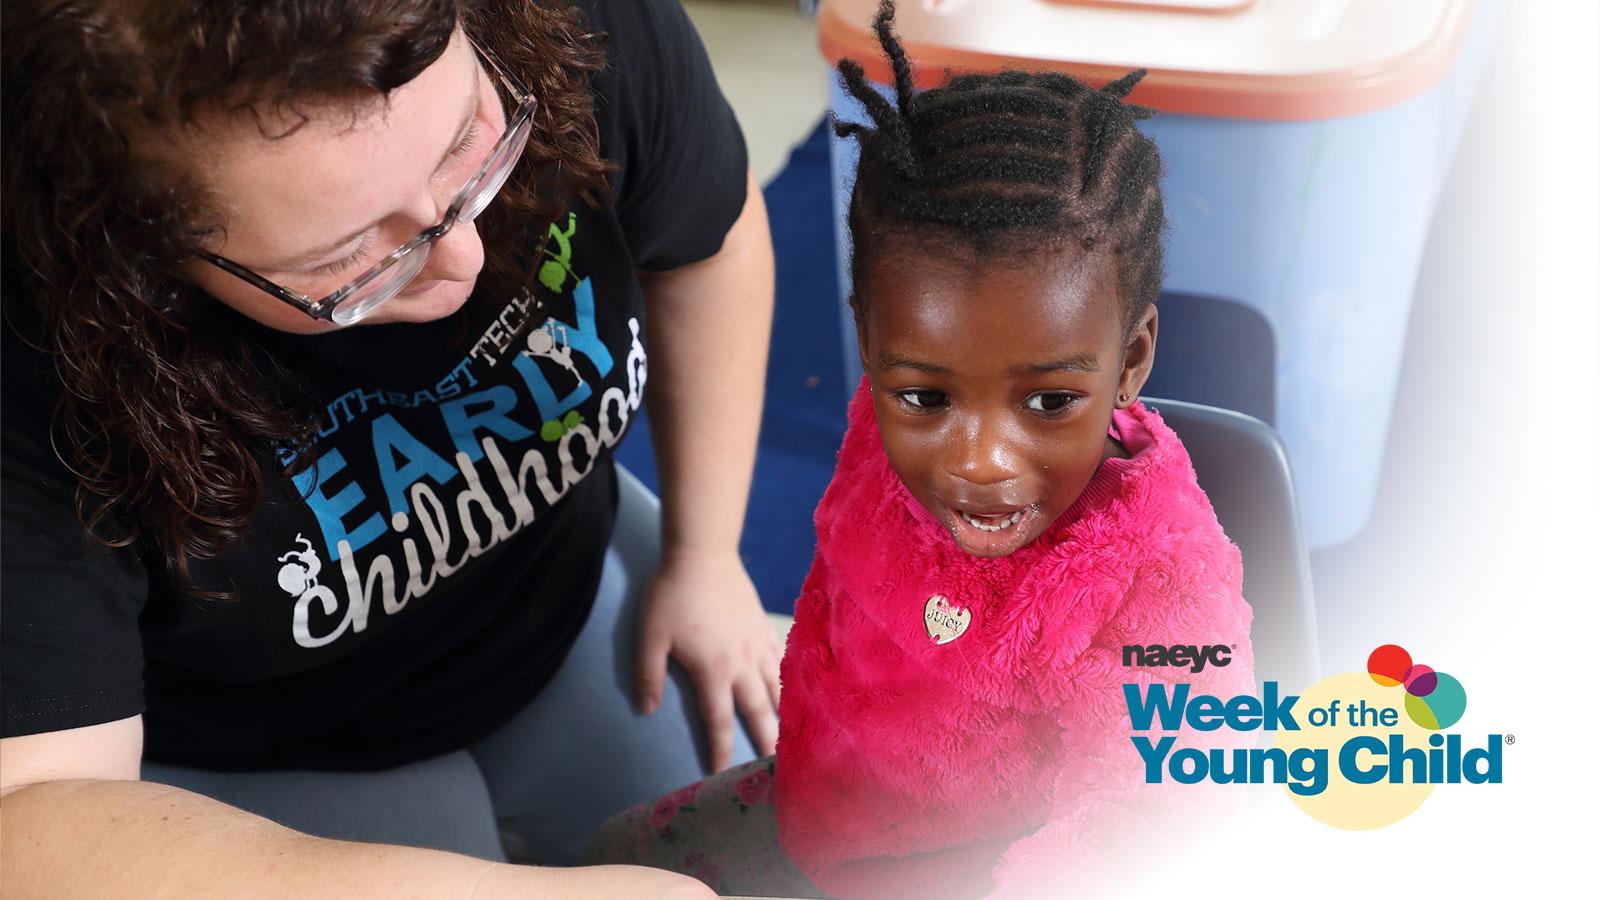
[(166, 408)]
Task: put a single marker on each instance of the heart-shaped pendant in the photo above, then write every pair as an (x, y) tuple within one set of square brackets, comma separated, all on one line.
[(945, 622)]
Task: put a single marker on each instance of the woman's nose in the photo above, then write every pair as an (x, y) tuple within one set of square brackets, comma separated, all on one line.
[(458, 256), (981, 454)]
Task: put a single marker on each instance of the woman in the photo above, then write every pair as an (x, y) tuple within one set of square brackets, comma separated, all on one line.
[(323, 320)]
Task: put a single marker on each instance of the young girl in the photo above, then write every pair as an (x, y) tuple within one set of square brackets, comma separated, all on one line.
[(1005, 517)]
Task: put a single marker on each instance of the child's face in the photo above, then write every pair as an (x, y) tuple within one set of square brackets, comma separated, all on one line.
[(994, 386)]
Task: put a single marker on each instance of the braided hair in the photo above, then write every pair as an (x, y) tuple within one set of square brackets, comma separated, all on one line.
[(1005, 163)]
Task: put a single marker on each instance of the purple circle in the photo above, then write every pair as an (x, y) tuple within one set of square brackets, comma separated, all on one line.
[(1420, 680)]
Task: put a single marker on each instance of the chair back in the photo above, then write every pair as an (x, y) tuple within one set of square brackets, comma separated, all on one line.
[(1242, 466)]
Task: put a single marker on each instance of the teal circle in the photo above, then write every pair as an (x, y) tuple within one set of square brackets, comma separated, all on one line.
[(1443, 706)]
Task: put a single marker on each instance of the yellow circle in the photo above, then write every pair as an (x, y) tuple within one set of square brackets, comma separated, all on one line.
[(1344, 803)]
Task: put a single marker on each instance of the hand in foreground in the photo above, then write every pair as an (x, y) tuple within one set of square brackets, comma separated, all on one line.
[(500, 880), (703, 611)]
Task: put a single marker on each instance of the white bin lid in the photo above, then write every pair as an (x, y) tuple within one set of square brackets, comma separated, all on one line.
[(1258, 59)]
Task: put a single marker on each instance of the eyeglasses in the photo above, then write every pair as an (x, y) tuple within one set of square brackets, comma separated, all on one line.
[(356, 300)]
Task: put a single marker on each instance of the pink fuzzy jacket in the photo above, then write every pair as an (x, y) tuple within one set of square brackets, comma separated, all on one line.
[(999, 763)]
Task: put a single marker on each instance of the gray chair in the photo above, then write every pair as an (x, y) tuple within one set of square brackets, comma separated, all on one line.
[(1241, 464)]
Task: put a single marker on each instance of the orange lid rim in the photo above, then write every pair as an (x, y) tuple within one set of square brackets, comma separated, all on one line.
[(1324, 95)]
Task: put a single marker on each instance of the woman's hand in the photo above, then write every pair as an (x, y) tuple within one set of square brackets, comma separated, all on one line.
[(588, 883), (708, 329), (702, 610)]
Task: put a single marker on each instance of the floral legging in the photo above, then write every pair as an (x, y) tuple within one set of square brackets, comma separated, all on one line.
[(722, 830)]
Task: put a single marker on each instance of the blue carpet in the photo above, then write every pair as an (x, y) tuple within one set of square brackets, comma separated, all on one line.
[(805, 407)]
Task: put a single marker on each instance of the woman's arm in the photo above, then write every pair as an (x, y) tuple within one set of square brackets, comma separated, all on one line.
[(78, 823), (708, 326)]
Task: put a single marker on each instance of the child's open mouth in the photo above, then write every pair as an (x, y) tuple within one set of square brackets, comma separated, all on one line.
[(992, 530), (997, 522)]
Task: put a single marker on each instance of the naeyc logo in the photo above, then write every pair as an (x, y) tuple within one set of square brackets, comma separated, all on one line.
[(1342, 749), (1193, 656)]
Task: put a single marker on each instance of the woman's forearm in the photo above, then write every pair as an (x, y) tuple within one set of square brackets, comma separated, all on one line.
[(140, 839), (135, 838), (709, 325)]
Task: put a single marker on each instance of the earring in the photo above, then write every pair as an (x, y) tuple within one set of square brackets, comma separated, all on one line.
[(1122, 398)]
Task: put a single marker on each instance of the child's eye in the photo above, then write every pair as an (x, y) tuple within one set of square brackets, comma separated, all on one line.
[(1050, 401), (923, 401)]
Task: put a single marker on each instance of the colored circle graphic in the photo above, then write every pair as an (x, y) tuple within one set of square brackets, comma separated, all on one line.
[(1389, 664), (1421, 680), (1440, 707)]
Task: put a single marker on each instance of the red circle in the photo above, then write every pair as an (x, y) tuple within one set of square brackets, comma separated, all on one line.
[(1388, 664)]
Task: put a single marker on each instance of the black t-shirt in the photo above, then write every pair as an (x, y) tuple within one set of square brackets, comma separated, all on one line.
[(425, 578)]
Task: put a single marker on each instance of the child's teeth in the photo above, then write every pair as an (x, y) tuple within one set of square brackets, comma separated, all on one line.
[(1000, 525)]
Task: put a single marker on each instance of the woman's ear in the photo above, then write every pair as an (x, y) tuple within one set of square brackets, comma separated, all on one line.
[(1138, 355)]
